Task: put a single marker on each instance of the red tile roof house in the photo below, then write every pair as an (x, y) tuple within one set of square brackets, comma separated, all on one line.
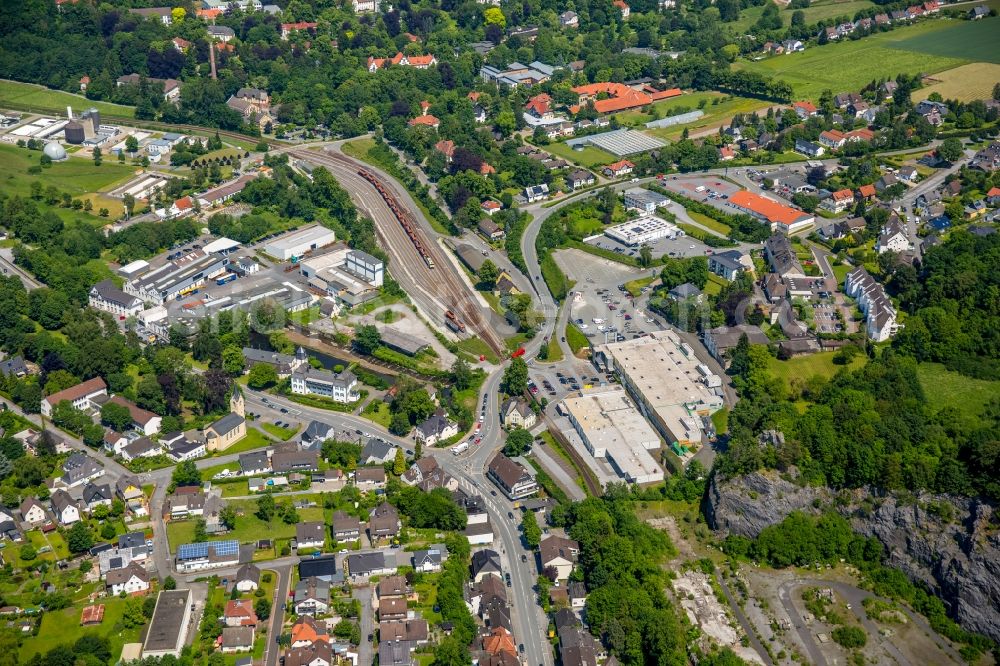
[(80, 396), (144, 420), (619, 97), (839, 201), (866, 192), (804, 109), (288, 28), (726, 153), (832, 139), (420, 62), (618, 169), (84, 82), (426, 121), (540, 106), (240, 613), (447, 148), (489, 207)]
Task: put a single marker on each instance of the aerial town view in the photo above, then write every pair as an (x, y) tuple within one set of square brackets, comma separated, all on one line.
[(496, 333)]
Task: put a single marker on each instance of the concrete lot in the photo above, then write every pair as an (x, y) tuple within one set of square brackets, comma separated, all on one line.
[(684, 246)]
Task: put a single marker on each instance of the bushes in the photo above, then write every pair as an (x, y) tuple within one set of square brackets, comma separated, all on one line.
[(850, 637)]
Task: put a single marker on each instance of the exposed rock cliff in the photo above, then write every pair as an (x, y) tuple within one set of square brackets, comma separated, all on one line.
[(958, 556)]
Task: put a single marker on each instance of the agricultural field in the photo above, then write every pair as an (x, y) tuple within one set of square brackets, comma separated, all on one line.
[(852, 64), (44, 99), (76, 176), (965, 83), (968, 40), (588, 157)]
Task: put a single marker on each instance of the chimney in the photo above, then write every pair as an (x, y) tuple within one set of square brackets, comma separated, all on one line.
[(69, 112)]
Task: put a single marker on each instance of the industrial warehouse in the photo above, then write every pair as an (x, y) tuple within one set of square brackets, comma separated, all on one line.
[(660, 372), (643, 230), (613, 429)]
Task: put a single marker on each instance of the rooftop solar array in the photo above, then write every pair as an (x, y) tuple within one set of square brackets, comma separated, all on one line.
[(193, 551)]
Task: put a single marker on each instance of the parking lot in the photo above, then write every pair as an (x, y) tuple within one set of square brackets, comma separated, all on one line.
[(712, 190), (684, 246)]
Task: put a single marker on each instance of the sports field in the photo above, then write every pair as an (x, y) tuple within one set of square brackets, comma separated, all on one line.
[(850, 65), (46, 99), (965, 83)]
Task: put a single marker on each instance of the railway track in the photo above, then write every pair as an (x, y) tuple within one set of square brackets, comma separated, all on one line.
[(417, 263)]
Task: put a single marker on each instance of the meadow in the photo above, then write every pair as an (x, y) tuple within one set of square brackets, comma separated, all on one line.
[(40, 98), (589, 157), (944, 388), (77, 176), (968, 40), (718, 108), (850, 65), (823, 10), (965, 83)]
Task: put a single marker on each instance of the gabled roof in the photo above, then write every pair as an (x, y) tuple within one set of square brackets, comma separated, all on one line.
[(125, 574), (82, 389)]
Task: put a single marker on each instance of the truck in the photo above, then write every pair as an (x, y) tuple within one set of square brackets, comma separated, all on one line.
[(464, 446), (228, 277)]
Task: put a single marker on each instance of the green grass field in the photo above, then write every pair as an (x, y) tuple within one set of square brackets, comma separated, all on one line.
[(945, 388), (576, 339), (714, 285), (61, 627), (477, 348), (817, 11), (710, 223), (634, 287), (254, 439), (249, 527), (809, 366), (968, 40), (715, 112), (284, 434), (852, 64), (588, 157), (41, 98), (75, 176), (378, 411)]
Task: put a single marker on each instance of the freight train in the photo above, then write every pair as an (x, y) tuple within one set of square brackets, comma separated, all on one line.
[(404, 217)]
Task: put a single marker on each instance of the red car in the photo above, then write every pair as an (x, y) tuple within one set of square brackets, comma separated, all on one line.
[(627, 317)]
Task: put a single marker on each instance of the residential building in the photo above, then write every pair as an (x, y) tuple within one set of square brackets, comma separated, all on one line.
[(517, 413), (511, 477), (107, 297), (310, 534), (247, 578), (809, 148), (880, 315), (838, 201), (307, 631), (337, 387), (580, 178), (81, 396), (132, 579), (415, 61), (80, 468), (239, 613), (287, 461), (254, 463), (33, 513), (720, 340), (284, 364), (64, 507), (361, 566), (236, 639), (559, 553), (429, 560), (95, 495), (727, 264), (346, 528), (435, 429), (383, 522), (311, 597), (894, 237), (484, 563), (377, 452), (369, 478), (781, 257), (618, 169)]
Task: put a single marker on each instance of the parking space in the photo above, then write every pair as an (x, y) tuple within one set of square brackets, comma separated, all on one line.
[(684, 246), (709, 189), (825, 318)]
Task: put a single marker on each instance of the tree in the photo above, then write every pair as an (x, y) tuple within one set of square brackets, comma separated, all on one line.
[(186, 474), (645, 255), (850, 637), (461, 374), (133, 614), (399, 463), (950, 149), (518, 442), (28, 552), (493, 16), (488, 275), (200, 530), (233, 361), (115, 416), (169, 583), (289, 514), (79, 538), (400, 424), (262, 375), (97, 156), (227, 516), (129, 202), (262, 607), (515, 377), (131, 144), (265, 507), (530, 529), (366, 339)]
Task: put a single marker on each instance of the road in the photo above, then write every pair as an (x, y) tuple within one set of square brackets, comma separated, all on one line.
[(741, 617), (366, 622), (273, 650), (8, 268)]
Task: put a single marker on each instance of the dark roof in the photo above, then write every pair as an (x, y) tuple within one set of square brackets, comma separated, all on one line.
[(13, 366), (95, 493), (361, 564), (227, 424), (248, 572), (485, 561), (320, 567)]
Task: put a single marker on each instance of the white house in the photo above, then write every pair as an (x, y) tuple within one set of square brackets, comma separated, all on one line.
[(107, 297), (65, 507), (80, 396), (130, 580)]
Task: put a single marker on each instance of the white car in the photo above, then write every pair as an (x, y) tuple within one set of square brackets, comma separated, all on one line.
[(582, 327), (597, 320), (601, 329)]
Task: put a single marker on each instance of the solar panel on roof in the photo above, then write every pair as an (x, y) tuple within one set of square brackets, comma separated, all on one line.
[(190, 551)]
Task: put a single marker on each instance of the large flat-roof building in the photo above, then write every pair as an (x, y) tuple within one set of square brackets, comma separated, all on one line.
[(176, 278), (169, 627), (297, 243), (351, 276), (646, 201), (661, 374), (612, 428), (780, 217), (643, 230)]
